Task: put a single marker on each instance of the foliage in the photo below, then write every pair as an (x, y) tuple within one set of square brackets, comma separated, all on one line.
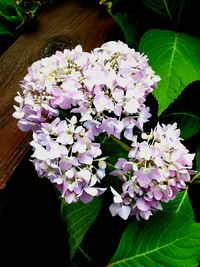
[(15, 16), (160, 244), (79, 217), (176, 58), (11, 15), (171, 10), (27, 4), (157, 244)]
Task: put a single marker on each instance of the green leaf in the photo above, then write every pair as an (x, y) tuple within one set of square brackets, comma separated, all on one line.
[(20, 14), (161, 7), (168, 9), (167, 239), (197, 181), (176, 58), (78, 218), (11, 13), (181, 204), (4, 30), (198, 159), (188, 122), (196, 178), (6, 4), (129, 26)]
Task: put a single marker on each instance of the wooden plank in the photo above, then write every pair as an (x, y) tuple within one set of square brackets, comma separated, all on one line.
[(69, 19)]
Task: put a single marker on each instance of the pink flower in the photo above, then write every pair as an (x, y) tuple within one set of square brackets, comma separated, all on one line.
[(156, 171), (64, 153), (112, 79)]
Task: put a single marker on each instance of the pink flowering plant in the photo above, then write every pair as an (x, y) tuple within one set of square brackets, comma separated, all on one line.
[(94, 140)]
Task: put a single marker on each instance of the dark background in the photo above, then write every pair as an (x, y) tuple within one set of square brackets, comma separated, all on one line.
[(31, 229)]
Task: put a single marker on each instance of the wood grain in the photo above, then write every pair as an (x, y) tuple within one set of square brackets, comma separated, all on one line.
[(70, 19)]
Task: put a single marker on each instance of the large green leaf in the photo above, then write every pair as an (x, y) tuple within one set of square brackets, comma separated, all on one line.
[(181, 204), (126, 16), (167, 239), (188, 122), (176, 58), (162, 7), (170, 238), (169, 9), (129, 26), (78, 218)]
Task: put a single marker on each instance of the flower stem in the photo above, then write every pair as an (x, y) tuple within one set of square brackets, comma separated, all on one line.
[(123, 145), (195, 177), (110, 165)]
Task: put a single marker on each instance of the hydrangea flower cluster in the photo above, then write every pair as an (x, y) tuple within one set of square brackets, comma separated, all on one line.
[(107, 88), (72, 97), (64, 154), (157, 169), (51, 82)]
